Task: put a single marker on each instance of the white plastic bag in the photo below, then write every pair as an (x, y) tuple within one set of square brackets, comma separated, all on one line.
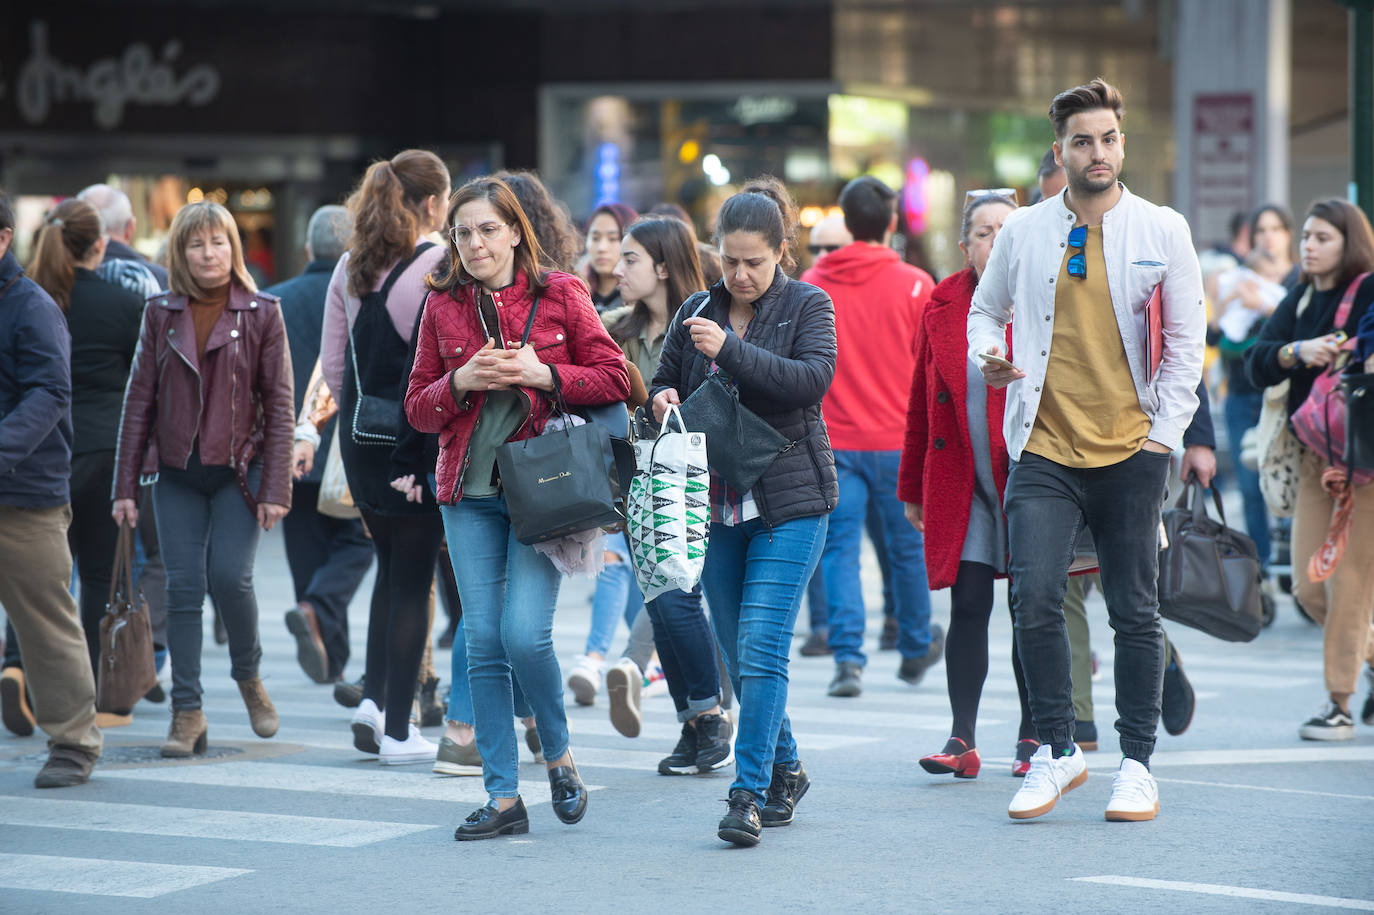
[(668, 512)]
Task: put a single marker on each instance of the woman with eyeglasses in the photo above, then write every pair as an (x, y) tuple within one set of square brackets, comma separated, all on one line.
[(772, 339), (953, 473), (604, 231), (499, 341), (1299, 342), (374, 296)]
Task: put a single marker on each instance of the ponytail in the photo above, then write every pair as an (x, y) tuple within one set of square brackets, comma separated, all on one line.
[(386, 210), (69, 232)]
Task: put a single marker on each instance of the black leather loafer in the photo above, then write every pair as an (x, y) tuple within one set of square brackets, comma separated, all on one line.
[(569, 794), (488, 823)]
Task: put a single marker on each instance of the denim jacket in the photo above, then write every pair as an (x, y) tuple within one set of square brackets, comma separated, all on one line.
[(1143, 245)]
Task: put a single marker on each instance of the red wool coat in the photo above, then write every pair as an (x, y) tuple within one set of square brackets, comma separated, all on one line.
[(937, 460)]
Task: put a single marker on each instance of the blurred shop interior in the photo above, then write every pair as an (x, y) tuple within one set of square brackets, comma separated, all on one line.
[(933, 97)]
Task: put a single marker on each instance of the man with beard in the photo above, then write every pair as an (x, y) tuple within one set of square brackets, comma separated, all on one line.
[(1090, 425)]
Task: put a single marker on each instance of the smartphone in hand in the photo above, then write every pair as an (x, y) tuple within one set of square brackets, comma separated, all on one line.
[(998, 361)]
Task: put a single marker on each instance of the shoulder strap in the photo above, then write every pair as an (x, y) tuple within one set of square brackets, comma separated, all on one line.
[(400, 268), (704, 302), (529, 322), (1347, 302)]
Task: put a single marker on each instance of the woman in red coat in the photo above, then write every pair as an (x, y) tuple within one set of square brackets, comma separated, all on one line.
[(953, 473)]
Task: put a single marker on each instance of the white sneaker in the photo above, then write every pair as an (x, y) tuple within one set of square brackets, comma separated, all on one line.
[(1049, 777), (624, 683), (585, 679), (414, 749), (368, 726), (1135, 796)]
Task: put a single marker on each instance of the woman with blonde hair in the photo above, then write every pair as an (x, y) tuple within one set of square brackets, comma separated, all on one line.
[(208, 416)]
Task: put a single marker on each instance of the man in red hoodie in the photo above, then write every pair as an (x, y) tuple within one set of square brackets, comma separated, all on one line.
[(878, 303)]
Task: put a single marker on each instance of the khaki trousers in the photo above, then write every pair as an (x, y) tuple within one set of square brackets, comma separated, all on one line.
[(1344, 603), (35, 569)]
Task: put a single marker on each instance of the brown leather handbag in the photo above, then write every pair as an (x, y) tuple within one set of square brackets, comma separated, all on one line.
[(127, 669)]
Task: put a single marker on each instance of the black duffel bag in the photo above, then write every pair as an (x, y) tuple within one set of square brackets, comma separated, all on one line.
[(1209, 574)]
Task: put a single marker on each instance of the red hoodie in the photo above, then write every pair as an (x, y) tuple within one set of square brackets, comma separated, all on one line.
[(878, 304)]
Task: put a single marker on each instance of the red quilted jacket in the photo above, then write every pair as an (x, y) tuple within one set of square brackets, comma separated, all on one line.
[(937, 459), (567, 334)]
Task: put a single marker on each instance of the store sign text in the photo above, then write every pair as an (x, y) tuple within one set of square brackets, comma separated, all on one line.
[(110, 83)]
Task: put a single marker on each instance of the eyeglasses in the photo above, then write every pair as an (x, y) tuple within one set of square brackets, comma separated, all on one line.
[(1078, 263), (461, 235), (1007, 192), (818, 250)]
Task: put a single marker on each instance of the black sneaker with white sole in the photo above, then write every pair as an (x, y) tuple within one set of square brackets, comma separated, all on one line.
[(1331, 724), (713, 742), (683, 759)]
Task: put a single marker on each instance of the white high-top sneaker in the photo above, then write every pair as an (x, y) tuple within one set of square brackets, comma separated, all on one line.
[(368, 726), (414, 749), (1049, 777), (585, 679)]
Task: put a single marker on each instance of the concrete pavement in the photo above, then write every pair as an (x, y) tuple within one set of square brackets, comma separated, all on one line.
[(1252, 818)]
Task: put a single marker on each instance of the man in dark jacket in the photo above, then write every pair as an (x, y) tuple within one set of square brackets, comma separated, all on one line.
[(35, 511), (878, 305), (328, 556)]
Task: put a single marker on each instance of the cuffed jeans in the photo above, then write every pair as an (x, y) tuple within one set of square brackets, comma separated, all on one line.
[(687, 651), (754, 580), (1047, 504), (870, 478), (509, 592), (194, 505)]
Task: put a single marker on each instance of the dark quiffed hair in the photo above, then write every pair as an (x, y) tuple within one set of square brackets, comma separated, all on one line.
[(529, 257), (553, 225), (386, 211), (868, 206), (68, 234), (766, 208), (1095, 95), (1358, 255), (668, 242)]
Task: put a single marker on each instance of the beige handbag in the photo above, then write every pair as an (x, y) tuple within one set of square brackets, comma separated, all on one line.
[(335, 499), (1280, 452)]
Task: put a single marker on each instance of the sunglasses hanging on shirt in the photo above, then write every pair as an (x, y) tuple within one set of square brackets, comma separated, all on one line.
[(1078, 262)]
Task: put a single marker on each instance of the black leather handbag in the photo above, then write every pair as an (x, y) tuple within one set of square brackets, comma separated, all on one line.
[(740, 445), (1359, 422), (1209, 574), (558, 483)]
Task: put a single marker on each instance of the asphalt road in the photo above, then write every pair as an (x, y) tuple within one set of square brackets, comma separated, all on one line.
[(1252, 819)]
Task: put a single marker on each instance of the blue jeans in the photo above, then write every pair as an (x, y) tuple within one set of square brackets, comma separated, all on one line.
[(460, 691), (617, 595), (818, 611), (1047, 505), (509, 592), (754, 580), (869, 478), (1242, 413), (686, 651)]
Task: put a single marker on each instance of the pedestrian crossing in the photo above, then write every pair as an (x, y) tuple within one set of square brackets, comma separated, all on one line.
[(315, 793)]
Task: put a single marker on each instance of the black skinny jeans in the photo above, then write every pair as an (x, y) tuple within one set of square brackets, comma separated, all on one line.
[(92, 538), (398, 624)]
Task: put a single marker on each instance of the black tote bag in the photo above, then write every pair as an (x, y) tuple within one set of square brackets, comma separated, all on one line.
[(1209, 574), (558, 483), (740, 445)]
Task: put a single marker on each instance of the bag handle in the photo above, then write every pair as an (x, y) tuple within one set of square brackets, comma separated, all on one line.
[(122, 581), (1347, 302), (1192, 498)]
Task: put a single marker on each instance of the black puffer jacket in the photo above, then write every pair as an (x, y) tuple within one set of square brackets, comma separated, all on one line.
[(783, 367)]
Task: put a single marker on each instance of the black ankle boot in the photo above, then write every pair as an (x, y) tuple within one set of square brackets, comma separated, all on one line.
[(741, 825), (488, 823), (569, 794)]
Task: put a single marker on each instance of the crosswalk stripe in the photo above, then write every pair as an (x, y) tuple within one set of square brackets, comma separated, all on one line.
[(197, 823), (419, 784), (101, 877)]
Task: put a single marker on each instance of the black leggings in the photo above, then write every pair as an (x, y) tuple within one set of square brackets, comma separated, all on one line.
[(966, 652), (398, 624)]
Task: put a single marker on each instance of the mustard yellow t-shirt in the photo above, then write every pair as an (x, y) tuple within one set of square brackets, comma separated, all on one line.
[(1089, 415)]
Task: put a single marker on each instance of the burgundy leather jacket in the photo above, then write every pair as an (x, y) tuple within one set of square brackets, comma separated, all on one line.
[(567, 334), (238, 405)]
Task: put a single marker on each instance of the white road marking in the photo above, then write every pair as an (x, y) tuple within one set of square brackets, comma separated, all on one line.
[(1261, 757), (100, 877), (366, 780), (1342, 797), (196, 823), (1239, 892)]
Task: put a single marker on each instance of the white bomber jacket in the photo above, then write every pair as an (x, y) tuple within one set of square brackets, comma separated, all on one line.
[(1143, 245)]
